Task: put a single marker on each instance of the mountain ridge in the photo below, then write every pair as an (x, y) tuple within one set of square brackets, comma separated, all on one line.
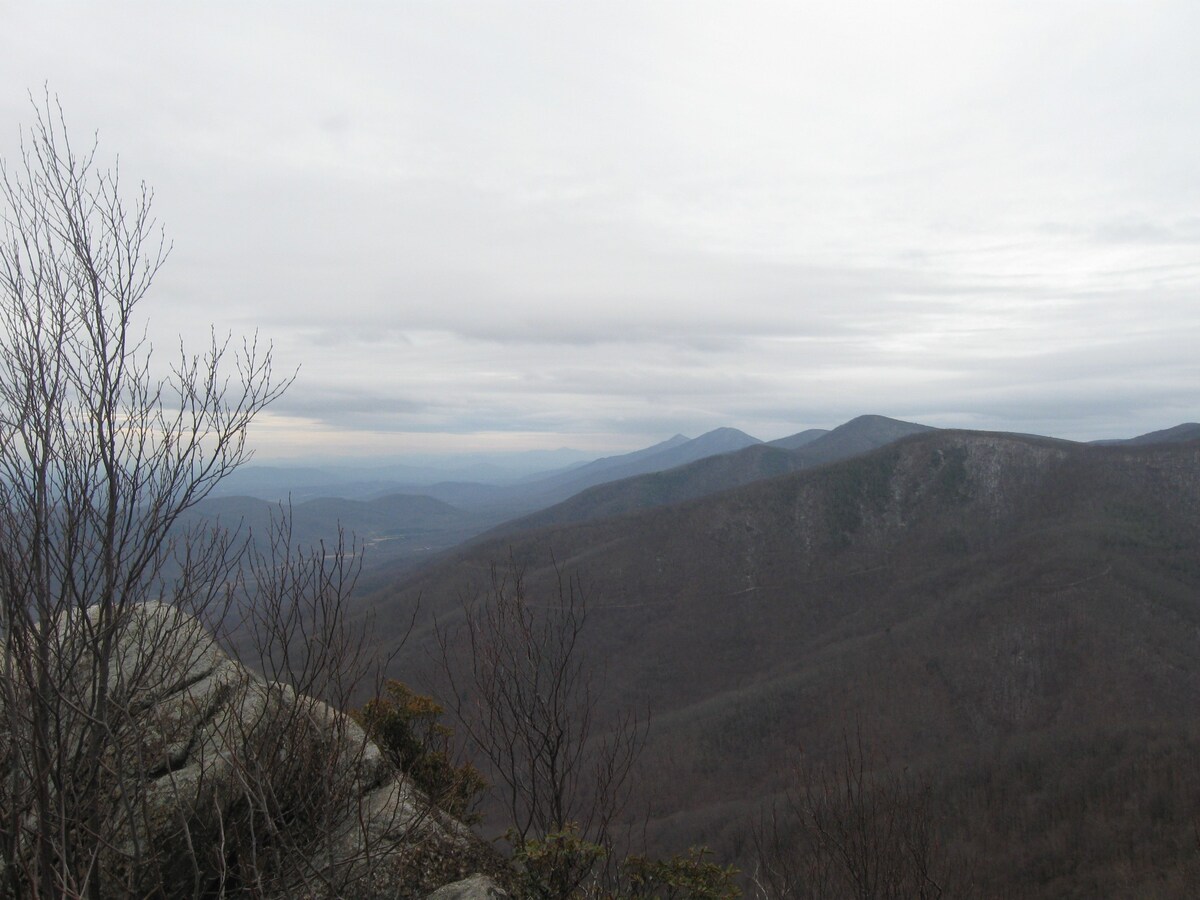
[(716, 473), (799, 439), (980, 601), (1186, 431)]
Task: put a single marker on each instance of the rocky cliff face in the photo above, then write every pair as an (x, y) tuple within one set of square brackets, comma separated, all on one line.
[(226, 783)]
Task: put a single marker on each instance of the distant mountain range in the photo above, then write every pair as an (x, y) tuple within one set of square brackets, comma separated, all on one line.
[(1189, 431), (402, 526), (720, 471), (985, 605), (522, 482), (795, 441), (1015, 618), (678, 451)]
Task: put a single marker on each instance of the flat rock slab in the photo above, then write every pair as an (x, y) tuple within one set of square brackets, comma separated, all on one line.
[(477, 887)]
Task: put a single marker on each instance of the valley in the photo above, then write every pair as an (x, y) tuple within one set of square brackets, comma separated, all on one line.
[(1013, 619)]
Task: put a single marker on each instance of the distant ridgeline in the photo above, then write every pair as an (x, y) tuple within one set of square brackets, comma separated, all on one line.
[(1013, 620)]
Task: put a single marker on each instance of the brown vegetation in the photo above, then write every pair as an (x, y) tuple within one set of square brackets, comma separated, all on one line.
[(1014, 621), (526, 696)]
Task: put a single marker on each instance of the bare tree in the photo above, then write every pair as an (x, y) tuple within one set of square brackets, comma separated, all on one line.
[(851, 829), (302, 824), (526, 695), (101, 455)]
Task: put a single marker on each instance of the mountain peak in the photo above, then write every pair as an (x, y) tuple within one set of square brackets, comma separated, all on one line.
[(729, 435), (871, 420), (859, 435)]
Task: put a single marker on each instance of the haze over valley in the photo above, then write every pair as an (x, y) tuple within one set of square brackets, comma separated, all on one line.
[(1011, 618), (600, 450)]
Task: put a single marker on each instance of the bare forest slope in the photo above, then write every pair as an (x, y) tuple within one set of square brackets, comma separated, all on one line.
[(1016, 618)]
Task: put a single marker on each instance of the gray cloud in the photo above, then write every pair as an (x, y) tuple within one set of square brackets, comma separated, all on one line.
[(605, 222)]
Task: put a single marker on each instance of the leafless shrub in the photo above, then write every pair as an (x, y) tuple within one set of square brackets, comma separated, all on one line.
[(526, 695), (103, 584), (851, 829)]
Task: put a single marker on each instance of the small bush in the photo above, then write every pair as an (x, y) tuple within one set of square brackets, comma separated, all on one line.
[(407, 727), (686, 876), (554, 867)]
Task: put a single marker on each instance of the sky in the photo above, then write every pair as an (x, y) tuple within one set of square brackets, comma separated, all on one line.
[(511, 226)]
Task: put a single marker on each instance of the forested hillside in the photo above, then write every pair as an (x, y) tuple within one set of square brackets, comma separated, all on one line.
[(1014, 620)]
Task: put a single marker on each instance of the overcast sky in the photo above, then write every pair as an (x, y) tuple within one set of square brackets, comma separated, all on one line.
[(518, 225)]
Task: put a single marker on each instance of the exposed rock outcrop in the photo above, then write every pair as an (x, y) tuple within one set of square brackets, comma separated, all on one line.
[(224, 782), (477, 887)]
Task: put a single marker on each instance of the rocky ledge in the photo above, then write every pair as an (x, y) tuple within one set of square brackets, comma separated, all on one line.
[(225, 783)]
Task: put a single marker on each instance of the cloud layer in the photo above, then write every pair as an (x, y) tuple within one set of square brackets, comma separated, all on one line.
[(598, 224)]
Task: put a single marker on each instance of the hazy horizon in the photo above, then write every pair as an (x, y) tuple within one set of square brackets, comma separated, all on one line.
[(479, 227), (480, 455)]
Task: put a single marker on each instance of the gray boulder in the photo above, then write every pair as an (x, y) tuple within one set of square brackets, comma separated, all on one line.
[(224, 783), (477, 887)]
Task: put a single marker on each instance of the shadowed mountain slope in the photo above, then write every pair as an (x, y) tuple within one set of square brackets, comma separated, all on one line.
[(717, 473), (687, 482), (394, 528), (401, 531), (609, 463), (1188, 431), (1018, 618), (798, 440), (676, 452), (498, 503), (859, 435)]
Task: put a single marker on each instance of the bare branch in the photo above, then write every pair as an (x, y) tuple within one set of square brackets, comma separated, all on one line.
[(521, 685), (102, 580)]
